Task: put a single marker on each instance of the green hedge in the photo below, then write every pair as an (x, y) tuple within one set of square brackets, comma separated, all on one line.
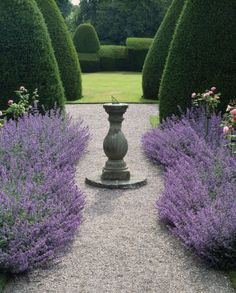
[(156, 58), (137, 52), (89, 62), (86, 39), (201, 55), (113, 58), (26, 54), (64, 48)]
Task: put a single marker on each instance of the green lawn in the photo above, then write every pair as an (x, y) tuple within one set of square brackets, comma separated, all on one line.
[(124, 86)]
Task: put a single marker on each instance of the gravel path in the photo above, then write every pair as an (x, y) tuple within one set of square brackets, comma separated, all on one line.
[(121, 247)]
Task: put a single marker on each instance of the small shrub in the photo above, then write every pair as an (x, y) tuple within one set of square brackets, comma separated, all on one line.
[(26, 103), (89, 62), (137, 52), (86, 39), (113, 58), (40, 203)]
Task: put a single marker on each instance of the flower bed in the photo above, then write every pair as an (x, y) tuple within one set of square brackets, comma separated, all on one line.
[(198, 203), (40, 205)]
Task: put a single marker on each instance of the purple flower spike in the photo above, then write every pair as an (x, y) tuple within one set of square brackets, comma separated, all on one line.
[(41, 206)]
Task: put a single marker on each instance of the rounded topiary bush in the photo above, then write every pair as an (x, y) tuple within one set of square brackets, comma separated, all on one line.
[(202, 54), (65, 52), (26, 54), (86, 39), (156, 58)]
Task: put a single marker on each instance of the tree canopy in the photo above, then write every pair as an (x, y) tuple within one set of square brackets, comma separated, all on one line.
[(65, 6), (115, 20)]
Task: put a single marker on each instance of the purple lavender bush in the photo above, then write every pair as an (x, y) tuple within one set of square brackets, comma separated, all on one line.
[(198, 203), (40, 204), (177, 136)]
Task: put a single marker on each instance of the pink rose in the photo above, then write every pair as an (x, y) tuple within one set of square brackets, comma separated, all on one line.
[(226, 129), (213, 88), (194, 95), (233, 112), (10, 102), (210, 93), (206, 95)]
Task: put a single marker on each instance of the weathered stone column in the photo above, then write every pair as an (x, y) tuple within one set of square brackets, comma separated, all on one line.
[(115, 173), (115, 145)]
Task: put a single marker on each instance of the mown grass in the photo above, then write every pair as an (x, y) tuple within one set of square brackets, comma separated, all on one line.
[(99, 87), (154, 121)]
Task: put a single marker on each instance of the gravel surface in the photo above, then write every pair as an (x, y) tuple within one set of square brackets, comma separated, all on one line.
[(121, 247)]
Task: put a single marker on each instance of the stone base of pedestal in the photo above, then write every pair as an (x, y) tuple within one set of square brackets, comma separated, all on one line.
[(135, 181)]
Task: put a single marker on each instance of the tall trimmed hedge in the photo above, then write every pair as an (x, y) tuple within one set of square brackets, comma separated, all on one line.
[(137, 51), (26, 54), (86, 39), (65, 51), (156, 58), (113, 58), (202, 54), (90, 62)]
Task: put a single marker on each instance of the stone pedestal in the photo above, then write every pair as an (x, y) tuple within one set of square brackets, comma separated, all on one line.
[(115, 145), (115, 173)]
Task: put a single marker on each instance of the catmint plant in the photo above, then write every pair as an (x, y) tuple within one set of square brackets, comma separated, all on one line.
[(198, 201), (40, 203)]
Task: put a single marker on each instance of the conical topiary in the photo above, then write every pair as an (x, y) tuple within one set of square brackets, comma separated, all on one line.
[(65, 51), (202, 54), (26, 54), (156, 58), (86, 39)]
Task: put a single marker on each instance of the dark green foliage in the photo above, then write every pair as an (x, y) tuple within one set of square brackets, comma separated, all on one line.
[(113, 58), (139, 43), (86, 39), (156, 58), (65, 51), (202, 54), (118, 19), (90, 62), (88, 10), (65, 6), (137, 52), (26, 54)]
